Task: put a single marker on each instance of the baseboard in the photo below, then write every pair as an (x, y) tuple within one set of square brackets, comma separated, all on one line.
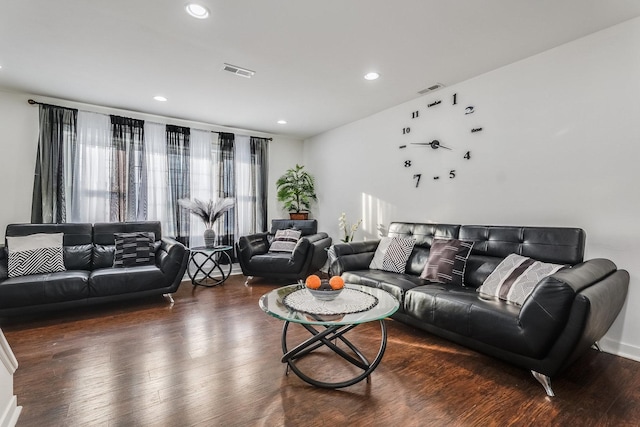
[(11, 413), (620, 349)]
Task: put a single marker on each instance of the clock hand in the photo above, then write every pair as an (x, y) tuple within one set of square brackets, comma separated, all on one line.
[(435, 144)]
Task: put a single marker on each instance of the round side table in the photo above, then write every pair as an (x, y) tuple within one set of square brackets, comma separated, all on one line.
[(209, 271)]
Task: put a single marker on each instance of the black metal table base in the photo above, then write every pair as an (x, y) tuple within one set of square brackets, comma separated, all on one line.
[(212, 275), (324, 338)]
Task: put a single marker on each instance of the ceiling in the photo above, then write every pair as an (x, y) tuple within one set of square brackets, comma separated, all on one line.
[(309, 56)]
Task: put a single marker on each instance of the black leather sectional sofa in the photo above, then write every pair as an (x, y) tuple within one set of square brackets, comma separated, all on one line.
[(90, 277), (566, 314)]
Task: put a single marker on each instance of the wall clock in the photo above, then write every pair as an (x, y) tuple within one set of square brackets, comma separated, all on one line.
[(439, 139)]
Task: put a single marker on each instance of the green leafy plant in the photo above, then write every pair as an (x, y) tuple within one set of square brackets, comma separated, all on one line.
[(296, 190)]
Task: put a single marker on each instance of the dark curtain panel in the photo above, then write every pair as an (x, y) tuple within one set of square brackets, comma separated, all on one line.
[(129, 178), (259, 176), (227, 183), (57, 134), (179, 181)]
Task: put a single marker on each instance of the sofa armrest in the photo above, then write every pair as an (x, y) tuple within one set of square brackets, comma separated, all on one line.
[(172, 257), (253, 244), (321, 243), (545, 313), (352, 256), (4, 261)]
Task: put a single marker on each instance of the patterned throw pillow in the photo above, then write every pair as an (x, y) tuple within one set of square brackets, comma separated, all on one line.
[(133, 249), (515, 278), (447, 261), (35, 254), (285, 240), (392, 254)]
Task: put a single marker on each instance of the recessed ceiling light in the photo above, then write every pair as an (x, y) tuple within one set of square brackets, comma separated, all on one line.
[(282, 122), (371, 76), (160, 98), (197, 11)]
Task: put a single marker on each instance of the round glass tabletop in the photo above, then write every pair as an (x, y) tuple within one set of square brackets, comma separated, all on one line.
[(272, 303), (220, 248)]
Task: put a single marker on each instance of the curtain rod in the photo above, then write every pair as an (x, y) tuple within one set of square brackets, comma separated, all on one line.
[(33, 102)]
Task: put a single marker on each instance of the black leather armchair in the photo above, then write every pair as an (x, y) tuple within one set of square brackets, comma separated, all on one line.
[(309, 255)]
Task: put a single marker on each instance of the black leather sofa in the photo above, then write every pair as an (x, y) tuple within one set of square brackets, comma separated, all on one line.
[(90, 277), (566, 314), (309, 255)]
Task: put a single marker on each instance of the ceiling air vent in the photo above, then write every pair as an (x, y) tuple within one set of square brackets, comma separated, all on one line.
[(431, 88), (238, 71)]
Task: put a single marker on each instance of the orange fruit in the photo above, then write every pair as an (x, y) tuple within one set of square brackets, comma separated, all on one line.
[(313, 282), (336, 282)]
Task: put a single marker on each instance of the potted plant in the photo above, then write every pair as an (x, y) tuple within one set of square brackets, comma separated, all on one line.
[(208, 212), (296, 190)]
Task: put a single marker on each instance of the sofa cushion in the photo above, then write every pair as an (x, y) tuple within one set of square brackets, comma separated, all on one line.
[(35, 254), (394, 283), (116, 281), (392, 254), (132, 249), (285, 241), (276, 263), (515, 278), (38, 289), (447, 261)]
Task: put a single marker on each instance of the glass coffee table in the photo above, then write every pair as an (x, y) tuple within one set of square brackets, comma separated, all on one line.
[(328, 325)]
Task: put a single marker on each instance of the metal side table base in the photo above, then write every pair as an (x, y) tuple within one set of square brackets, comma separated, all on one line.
[(324, 338)]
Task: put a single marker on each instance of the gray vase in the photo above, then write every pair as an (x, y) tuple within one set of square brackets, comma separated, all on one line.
[(209, 238)]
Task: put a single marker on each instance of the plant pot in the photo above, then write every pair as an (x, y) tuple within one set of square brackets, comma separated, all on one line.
[(298, 215), (209, 238)]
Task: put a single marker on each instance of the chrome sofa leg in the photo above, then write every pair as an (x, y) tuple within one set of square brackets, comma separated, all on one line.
[(169, 297), (246, 282), (596, 345), (545, 381)]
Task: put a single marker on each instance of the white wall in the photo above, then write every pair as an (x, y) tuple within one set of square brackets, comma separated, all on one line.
[(560, 147), (19, 141), (284, 153), (18, 146)]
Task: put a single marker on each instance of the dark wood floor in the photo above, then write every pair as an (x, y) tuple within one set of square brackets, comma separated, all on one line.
[(213, 359)]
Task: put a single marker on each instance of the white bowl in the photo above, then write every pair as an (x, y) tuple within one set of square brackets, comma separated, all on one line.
[(325, 295)]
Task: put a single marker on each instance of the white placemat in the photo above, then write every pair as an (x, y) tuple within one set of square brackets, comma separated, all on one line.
[(349, 301)]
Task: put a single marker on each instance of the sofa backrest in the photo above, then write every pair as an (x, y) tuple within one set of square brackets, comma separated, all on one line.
[(104, 242), (76, 241), (306, 226), (559, 245), (424, 235)]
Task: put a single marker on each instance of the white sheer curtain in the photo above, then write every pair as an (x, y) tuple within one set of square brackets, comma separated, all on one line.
[(159, 207), (91, 169), (201, 178), (244, 208)]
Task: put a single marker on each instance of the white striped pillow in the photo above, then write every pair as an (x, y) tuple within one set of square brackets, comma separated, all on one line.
[(392, 254), (35, 254), (515, 278), (285, 240)]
